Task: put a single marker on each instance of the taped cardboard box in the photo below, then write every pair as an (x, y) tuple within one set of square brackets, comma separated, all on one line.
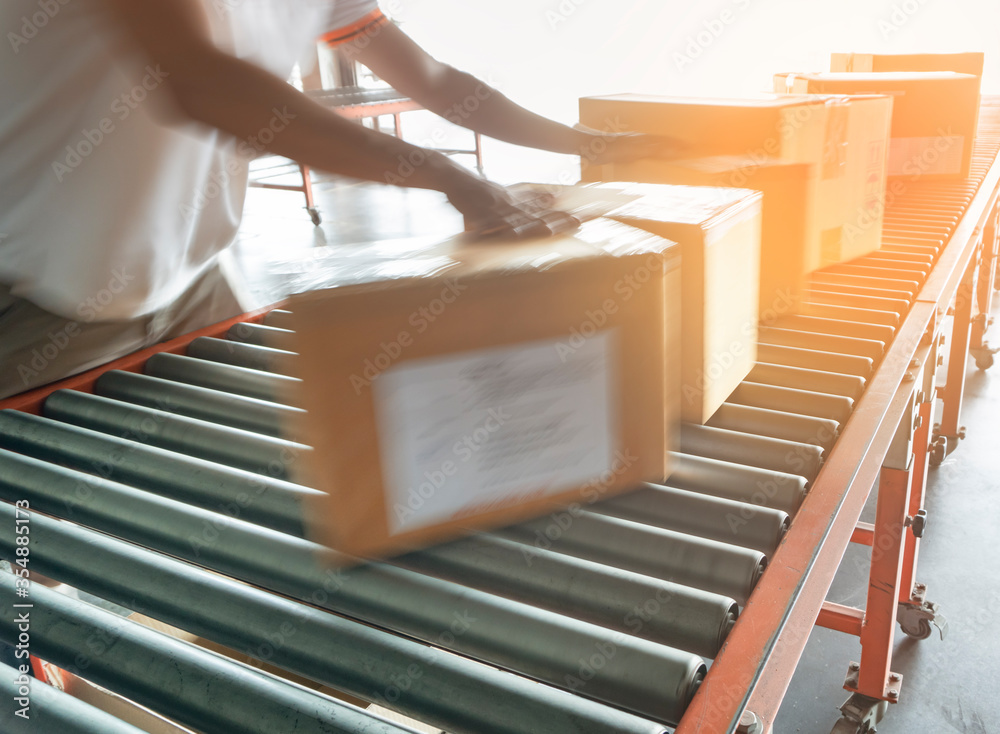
[(934, 118), (790, 230), (848, 144), (774, 126), (731, 141), (718, 231), (491, 384), (963, 63), (851, 205)]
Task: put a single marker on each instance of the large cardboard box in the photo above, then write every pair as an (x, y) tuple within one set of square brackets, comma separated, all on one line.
[(790, 231), (934, 118), (744, 143), (963, 63), (504, 381), (776, 126), (718, 231)]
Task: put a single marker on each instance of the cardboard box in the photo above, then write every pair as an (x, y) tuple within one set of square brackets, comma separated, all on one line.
[(851, 205), (790, 231), (775, 126), (718, 231), (963, 63), (508, 380), (732, 141), (934, 119)]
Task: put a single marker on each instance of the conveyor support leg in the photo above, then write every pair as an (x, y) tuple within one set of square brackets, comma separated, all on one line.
[(957, 359), (979, 348), (872, 677)]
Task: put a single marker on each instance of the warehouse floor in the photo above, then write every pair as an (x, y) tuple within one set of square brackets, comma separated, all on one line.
[(948, 686)]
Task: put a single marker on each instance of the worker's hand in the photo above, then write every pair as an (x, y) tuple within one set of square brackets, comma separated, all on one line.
[(605, 148), (489, 210)]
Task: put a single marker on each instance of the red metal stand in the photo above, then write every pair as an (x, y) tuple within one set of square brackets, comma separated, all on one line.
[(954, 389)]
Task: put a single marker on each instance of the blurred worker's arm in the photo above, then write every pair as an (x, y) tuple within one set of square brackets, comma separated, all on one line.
[(239, 98), (463, 99)]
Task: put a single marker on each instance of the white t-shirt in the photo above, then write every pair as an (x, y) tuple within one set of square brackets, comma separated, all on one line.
[(105, 212)]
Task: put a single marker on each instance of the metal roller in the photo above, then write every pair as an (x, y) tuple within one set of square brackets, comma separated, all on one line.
[(739, 523), (664, 554), (790, 400), (911, 277), (250, 356), (871, 286), (257, 498), (852, 285), (236, 411), (899, 256), (870, 314), (222, 377), (637, 675), (264, 336), (927, 223), (51, 710), (893, 237), (278, 317), (775, 424), (232, 446), (749, 484), (177, 679), (936, 211), (825, 297), (452, 692), (833, 383), (811, 340), (793, 457), (886, 264), (930, 247), (838, 327), (679, 616), (814, 359)]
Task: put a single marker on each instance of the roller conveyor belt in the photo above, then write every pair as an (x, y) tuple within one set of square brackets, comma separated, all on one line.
[(168, 490)]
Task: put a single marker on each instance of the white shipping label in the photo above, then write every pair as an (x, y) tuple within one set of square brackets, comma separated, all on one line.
[(936, 155), (477, 431)]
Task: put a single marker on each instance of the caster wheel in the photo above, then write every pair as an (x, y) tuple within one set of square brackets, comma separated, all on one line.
[(919, 631), (939, 450), (880, 711), (846, 726), (315, 215), (984, 362)]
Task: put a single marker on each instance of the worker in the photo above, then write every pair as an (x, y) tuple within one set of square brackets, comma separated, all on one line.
[(126, 131)]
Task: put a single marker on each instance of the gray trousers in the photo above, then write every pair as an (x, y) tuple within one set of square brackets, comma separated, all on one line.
[(38, 347)]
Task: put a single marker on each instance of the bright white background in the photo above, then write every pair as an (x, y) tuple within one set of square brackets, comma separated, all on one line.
[(545, 54)]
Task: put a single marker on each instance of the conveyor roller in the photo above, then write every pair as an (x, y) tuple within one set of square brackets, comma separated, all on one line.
[(664, 554), (648, 679), (232, 446), (461, 695), (257, 498)]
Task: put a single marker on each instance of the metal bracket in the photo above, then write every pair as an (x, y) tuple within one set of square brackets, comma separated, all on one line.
[(916, 617), (890, 693), (943, 444)]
